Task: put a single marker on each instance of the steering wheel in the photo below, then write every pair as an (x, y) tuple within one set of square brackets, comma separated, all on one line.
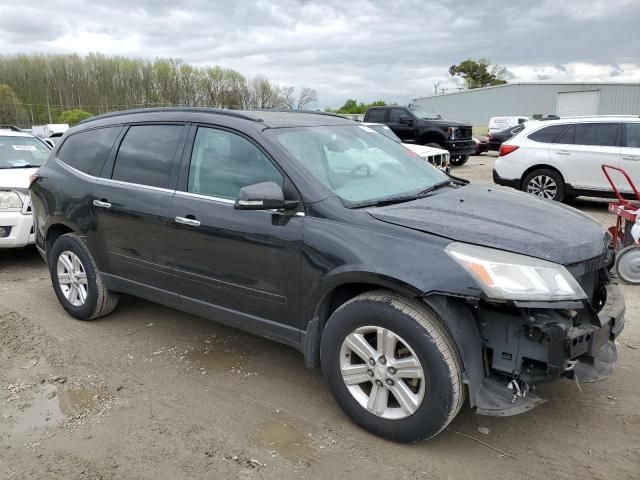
[(361, 166)]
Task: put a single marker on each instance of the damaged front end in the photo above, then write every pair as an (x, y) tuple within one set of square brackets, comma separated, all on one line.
[(524, 344)]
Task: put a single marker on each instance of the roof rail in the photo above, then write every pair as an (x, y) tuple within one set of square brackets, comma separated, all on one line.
[(10, 127), (217, 111), (295, 110)]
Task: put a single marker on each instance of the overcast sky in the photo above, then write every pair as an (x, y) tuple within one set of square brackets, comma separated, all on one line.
[(364, 49)]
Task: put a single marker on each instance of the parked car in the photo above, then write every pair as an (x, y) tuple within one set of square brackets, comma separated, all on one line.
[(494, 140), (20, 156), (48, 130), (410, 289), (498, 124), (560, 159), (482, 144), (435, 156), (414, 125)]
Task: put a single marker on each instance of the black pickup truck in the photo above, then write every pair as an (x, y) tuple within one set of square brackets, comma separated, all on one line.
[(414, 125)]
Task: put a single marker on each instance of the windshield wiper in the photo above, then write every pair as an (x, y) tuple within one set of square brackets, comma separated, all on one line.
[(384, 202), (435, 187), (20, 166)]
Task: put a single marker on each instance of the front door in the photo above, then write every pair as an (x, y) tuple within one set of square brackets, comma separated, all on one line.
[(402, 130), (236, 266), (132, 205), (582, 150)]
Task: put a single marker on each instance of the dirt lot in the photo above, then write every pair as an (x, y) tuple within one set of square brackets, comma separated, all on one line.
[(152, 393)]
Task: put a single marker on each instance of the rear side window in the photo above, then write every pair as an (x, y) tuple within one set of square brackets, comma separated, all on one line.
[(547, 134), (223, 162), (633, 135), (147, 155), (377, 116), (87, 151), (600, 134)]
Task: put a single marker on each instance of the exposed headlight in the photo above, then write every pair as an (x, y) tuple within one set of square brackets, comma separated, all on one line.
[(10, 200), (510, 276)]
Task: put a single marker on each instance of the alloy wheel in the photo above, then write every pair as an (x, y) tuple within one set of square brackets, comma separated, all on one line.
[(72, 278), (543, 186), (382, 372)]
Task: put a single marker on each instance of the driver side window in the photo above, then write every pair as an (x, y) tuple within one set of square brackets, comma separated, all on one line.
[(223, 162)]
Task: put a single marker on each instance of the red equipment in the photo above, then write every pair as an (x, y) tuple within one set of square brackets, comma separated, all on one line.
[(624, 236)]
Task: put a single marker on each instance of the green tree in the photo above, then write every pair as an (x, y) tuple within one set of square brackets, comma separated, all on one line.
[(352, 106), (479, 73), (73, 116), (12, 111)]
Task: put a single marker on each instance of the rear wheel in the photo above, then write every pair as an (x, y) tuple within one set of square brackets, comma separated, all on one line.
[(459, 160), (545, 183), (392, 366), (628, 264), (77, 281)]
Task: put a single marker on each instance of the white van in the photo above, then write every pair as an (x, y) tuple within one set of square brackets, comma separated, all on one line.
[(497, 124)]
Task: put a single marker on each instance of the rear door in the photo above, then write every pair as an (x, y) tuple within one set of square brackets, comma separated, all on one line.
[(630, 152), (238, 265), (132, 203), (582, 150)]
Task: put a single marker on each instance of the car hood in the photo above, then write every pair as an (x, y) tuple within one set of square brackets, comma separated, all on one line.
[(504, 219), (424, 150), (15, 178), (444, 123)]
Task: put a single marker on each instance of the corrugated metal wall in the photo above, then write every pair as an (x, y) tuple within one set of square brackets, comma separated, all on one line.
[(478, 105)]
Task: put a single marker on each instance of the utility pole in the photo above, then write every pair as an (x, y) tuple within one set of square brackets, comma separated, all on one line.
[(435, 87)]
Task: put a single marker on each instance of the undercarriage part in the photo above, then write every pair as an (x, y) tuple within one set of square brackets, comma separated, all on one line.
[(494, 398)]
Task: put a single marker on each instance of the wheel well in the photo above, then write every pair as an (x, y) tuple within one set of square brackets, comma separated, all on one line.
[(432, 137), (54, 232), (538, 167)]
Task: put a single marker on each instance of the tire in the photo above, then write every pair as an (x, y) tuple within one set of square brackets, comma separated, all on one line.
[(421, 340), (545, 183), (459, 160), (628, 264), (98, 301)]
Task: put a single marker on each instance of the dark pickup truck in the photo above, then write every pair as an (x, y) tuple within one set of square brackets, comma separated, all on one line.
[(414, 125)]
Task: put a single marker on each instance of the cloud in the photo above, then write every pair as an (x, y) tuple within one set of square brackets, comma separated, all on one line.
[(365, 49)]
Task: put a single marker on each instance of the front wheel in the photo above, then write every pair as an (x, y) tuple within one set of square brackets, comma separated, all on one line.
[(392, 366), (459, 160), (628, 264), (545, 183)]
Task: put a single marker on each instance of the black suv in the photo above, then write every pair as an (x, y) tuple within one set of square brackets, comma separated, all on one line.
[(412, 124), (409, 288)]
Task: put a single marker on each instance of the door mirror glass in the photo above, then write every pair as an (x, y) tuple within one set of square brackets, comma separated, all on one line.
[(263, 196)]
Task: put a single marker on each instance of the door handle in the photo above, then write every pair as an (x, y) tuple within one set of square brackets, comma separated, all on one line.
[(188, 221), (563, 152), (631, 157), (101, 204)]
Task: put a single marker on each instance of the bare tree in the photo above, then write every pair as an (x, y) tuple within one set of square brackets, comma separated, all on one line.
[(308, 97)]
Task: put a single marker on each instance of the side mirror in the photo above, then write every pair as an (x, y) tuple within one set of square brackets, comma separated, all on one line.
[(49, 142), (263, 196), (405, 120)]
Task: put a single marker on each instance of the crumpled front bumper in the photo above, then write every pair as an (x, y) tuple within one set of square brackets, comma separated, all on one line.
[(537, 343)]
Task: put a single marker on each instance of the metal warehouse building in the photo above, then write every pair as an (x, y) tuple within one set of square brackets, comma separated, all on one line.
[(535, 100)]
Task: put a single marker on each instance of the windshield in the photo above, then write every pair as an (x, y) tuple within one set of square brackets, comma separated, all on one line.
[(358, 164), (424, 114), (386, 131), (22, 152)]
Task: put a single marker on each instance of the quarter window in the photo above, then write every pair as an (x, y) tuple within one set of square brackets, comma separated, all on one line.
[(147, 155), (88, 151), (633, 135), (223, 162), (547, 134), (377, 115)]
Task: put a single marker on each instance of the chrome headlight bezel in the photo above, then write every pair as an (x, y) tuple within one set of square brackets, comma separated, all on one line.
[(10, 201), (505, 275)]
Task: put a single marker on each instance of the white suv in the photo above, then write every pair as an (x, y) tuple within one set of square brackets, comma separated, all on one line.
[(560, 159), (20, 156)]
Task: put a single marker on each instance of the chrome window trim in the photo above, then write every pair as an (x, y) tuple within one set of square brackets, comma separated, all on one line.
[(206, 197)]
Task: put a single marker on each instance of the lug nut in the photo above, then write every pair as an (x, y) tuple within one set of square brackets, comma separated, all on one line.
[(372, 362), (379, 383), (382, 360), (391, 371), (370, 373), (389, 382)]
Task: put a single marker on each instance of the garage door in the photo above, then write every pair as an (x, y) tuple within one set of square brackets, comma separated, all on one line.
[(578, 103)]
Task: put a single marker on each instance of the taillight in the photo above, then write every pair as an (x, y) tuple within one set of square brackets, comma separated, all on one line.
[(33, 178), (507, 149)]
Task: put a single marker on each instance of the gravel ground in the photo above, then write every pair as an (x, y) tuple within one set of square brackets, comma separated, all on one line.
[(152, 393)]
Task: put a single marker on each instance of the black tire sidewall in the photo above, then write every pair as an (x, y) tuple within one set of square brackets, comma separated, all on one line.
[(458, 161), (73, 244), (433, 413), (560, 191)]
